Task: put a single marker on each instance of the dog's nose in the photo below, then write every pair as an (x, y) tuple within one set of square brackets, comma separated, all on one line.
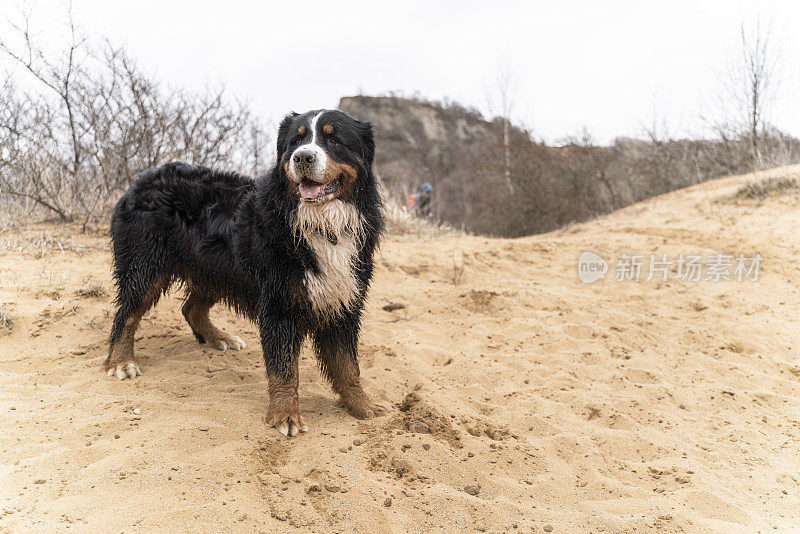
[(304, 156)]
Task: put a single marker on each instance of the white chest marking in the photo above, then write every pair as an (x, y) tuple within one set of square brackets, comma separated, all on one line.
[(334, 287)]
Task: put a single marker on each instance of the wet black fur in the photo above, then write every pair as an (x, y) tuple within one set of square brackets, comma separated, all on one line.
[(229, 239)]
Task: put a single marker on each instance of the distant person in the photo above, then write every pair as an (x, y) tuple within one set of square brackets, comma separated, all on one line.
[(423, 200), (411, 203)]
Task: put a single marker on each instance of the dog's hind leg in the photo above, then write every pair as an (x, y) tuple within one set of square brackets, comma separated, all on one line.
[(195, 310), (134, 299), (336, 347)]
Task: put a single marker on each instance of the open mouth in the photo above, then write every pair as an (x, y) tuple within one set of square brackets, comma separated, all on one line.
[(311, 191)]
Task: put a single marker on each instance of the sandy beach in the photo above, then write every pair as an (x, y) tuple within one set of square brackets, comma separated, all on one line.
[(520, 398)]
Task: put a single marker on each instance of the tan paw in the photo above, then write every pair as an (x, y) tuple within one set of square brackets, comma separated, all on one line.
[(228, 342), (365, 410), (287, 423), (124, 370), (235, 343)]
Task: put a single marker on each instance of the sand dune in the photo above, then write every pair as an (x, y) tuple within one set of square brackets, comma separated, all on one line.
[(520, 398)]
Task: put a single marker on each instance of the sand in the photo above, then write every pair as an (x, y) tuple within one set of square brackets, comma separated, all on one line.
[(520, 398)]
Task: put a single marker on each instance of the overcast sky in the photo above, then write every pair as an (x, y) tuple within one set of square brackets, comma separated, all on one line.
[(609, 66)]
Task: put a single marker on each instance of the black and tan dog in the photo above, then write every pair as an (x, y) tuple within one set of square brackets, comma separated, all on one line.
[(292, 251)]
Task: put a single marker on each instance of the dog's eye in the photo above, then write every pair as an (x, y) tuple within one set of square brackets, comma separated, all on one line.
[(298, 140), (333, 142)]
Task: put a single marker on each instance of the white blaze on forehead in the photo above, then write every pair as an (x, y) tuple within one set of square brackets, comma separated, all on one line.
[(314, 127), (321, 161)]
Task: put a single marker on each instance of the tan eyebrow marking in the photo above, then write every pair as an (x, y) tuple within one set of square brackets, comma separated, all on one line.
[(328, 129), (301, 130)]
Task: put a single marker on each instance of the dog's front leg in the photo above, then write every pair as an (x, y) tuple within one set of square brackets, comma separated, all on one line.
[(336, 345), (281, 339)]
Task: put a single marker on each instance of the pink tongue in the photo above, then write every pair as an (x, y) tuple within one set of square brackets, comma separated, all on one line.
[(311, 190)]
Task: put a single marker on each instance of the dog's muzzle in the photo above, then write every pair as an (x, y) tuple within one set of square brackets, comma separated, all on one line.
[(304, 162)]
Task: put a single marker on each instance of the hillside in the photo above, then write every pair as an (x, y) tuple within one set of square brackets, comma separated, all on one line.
[(547, 186), (604, 407), (419, 141), (420, 137)]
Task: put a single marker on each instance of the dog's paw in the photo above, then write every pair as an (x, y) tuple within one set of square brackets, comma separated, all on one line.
[(235, 343), (365, 410), (287, 423), (124, 370), (228, 342)]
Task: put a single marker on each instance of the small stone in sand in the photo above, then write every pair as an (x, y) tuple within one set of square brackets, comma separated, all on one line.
[(387, 502), (426, 446), (280, 516), (137, 411), (39, 481), (548, 528), (313, 488), (356, 442), (472, 489), (343, 449), (419, 427), (332, 488)]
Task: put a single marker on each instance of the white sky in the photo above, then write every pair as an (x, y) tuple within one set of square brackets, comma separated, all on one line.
[(609, 66)]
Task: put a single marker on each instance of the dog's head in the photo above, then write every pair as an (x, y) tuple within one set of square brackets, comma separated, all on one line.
[(324, 154)]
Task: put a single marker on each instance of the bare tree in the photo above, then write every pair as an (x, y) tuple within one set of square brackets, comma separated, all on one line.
[(93, 120), (757, 92), (749, 88), (505, 87)]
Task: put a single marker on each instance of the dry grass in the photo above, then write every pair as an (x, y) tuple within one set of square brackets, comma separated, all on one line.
[(770, 187), (91, 291), (401, 223), (6, 319), (38, 243)]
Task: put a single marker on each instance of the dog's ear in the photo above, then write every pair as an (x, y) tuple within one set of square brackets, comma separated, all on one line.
[(283, 131), (367, 142)]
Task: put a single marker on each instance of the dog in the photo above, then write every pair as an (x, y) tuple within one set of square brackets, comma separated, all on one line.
[(292, 251)]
